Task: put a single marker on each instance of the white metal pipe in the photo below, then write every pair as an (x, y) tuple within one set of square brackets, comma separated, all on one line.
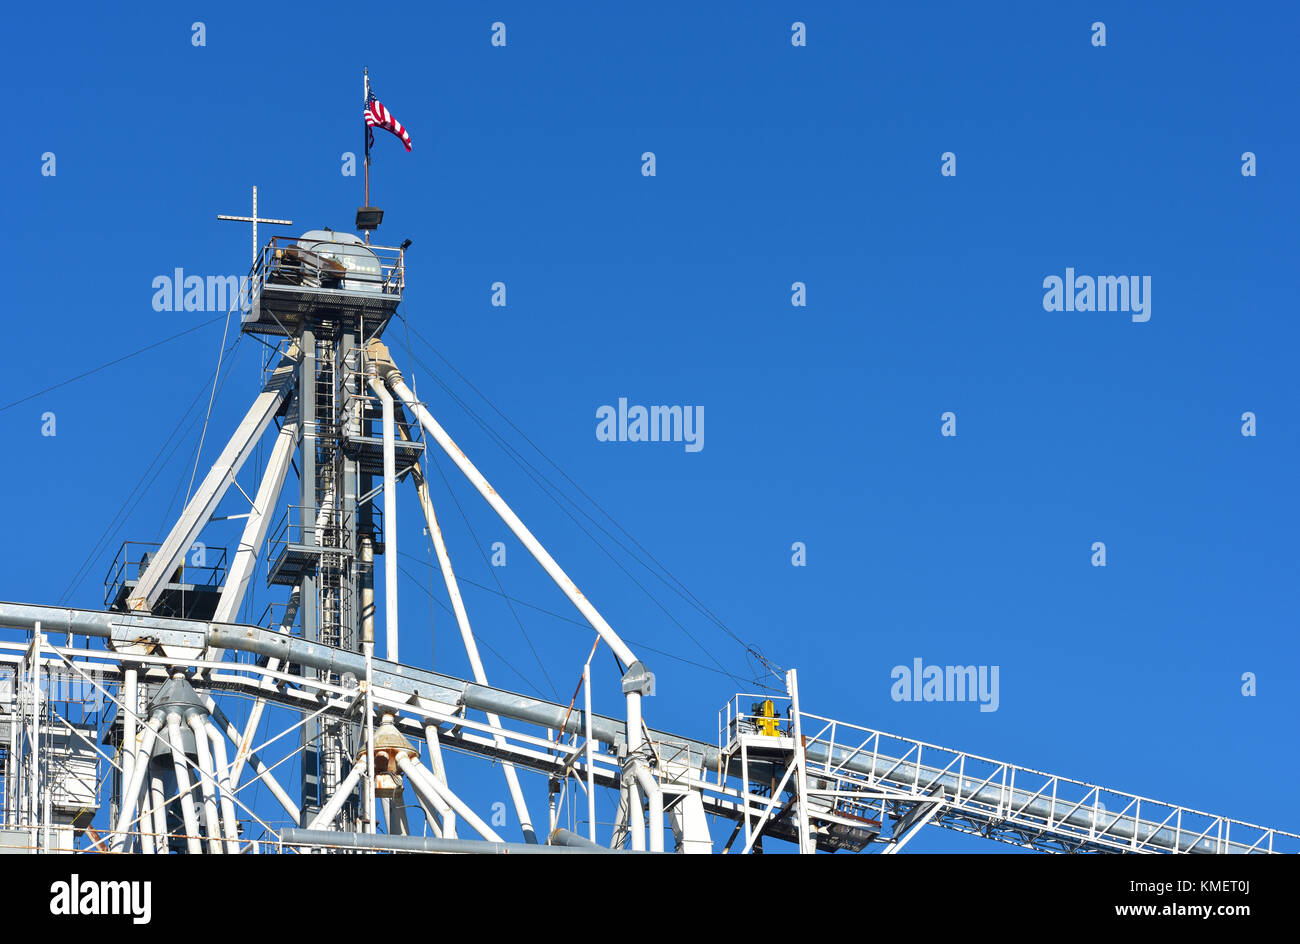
[(158, 806), (264, 772), (635, 815), (370, 736), (420, 777), (47, 814), (655, 801), (130, 704), (431, 814), (635, 737), (390, 520), (562, 580), (19, 730), (395, 815), (243, 744), (145, 827), (207, 785), (325, 817), (11, 772), (225, 789), (635, 812), (131, 792), (367, 543), (471, 645), (439, 772), (193, 842), (591, 761), (34, 683), (807, 846), (436, 793)]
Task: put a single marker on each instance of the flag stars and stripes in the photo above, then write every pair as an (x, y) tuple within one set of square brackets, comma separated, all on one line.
[(377, 116)]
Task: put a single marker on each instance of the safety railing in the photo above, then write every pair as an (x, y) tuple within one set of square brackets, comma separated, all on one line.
[(341, 265), (301, 526), (201, 567), (1021, 801), (748, 713)]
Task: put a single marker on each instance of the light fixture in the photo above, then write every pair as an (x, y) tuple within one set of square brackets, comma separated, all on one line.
[(369, 217)]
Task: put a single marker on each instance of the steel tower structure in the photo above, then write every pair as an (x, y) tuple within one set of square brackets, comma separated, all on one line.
[(114, 735)]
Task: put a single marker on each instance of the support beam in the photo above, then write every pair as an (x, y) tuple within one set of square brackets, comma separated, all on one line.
[(556, 573), (756, 832), (158, 807), (131, 792), (331, 809), (807, 844), (193, 840), (439, 772), (430, 815), (655, 802), (390, 521), (259, 518), (471, 646), (264, 772), (147, 845), (912, 823), (395, 814), (210, 492), (245, 743), (370, 737), (225, 787), (635, 812), (690, 823), (421, 778), (131, 700), (207, 784), (644, 680), (589, 749)]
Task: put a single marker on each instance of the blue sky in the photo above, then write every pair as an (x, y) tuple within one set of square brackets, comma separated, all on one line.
[(774, 164)]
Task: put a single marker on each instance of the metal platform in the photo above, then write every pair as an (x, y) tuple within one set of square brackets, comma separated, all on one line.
[(319, 276), (299, 548), (192, 592), (369, 453)]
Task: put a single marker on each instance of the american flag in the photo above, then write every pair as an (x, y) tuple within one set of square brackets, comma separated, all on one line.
[(377, 115)]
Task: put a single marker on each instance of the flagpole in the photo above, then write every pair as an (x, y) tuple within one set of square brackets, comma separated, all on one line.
[(365, 101), (366, 104)]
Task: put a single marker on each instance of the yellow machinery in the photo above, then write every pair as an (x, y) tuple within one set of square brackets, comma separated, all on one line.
[(765, 718)]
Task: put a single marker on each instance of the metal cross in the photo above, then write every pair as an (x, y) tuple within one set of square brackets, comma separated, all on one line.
[(254, 219)]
